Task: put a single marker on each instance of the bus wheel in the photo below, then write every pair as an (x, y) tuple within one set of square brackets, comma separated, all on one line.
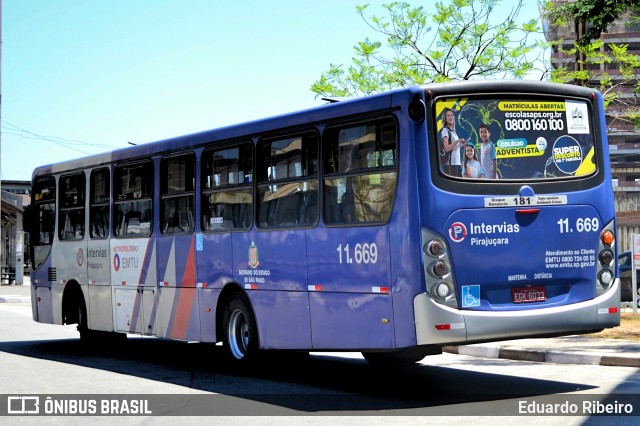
[(240, 331), (399, 357), (86, 335)]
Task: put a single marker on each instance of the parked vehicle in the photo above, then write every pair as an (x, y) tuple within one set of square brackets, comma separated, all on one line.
[(624, 263)]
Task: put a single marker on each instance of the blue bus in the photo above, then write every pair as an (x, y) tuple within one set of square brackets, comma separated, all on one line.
[(391, 225)]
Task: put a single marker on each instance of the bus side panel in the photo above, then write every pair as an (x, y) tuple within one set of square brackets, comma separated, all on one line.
[(43, 308), (100, 310), (41, 302), (282, 319), (214, 260), (351, 320), (208, 298), (266, 262), (134, 277), (70, 265), (179, 314), (213, 266), (404, 232), (349, 268), (178, 297)]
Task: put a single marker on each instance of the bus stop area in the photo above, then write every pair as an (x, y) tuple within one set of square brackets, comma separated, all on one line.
[(574, 349)]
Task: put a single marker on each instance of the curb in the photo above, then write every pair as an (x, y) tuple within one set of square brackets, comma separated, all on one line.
[(536, 355), (9, 298)]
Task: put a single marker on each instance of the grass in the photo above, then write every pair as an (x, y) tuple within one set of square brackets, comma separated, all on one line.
[(629, 328)]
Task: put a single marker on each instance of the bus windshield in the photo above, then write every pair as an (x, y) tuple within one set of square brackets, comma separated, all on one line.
[(514, 138)]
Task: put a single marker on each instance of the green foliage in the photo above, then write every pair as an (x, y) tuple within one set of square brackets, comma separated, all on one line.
[(608, 67), (459, 40), (600, 14)]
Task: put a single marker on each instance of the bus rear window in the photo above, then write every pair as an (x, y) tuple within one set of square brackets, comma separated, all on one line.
[(523, 138)]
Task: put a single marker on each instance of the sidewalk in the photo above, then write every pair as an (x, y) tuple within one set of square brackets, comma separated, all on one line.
[(560, 350), (582, 350), (16, 293)]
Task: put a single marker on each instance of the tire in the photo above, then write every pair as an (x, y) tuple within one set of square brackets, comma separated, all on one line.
[(86, 335), (240, 331), (401, 357)]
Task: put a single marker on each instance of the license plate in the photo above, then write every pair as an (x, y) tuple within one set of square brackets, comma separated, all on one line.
[(529, 294)]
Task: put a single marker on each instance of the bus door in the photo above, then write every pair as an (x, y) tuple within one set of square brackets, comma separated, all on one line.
[(100, 310), (69, 255), (40, 224), (133, 251)]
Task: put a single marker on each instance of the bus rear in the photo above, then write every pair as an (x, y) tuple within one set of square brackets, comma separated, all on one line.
[(517, 214)]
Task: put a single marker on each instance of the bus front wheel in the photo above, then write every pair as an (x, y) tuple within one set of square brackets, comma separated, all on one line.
[(240, 331)]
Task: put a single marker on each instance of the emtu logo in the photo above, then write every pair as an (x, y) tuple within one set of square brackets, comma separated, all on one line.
[(457, 232)]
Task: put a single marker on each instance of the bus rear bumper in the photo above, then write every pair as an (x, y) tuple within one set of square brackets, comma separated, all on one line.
[(439, 324)]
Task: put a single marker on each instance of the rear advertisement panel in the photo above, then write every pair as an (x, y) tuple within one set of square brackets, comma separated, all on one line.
[(516, 138)]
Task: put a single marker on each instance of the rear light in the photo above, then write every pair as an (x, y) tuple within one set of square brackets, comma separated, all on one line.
[(434, 248), (442, 290), (606, 257), (439, 269), (607, 237), (438, 275), (605, 277)]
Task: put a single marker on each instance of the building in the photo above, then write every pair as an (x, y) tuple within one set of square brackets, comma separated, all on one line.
[(623, 135), (15, 197)]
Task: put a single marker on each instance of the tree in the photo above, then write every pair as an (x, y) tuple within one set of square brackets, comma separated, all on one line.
[(460, 40), (609, 67), (600, 14)]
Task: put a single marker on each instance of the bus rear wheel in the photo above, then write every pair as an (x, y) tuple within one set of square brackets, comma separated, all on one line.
[(240, 331)]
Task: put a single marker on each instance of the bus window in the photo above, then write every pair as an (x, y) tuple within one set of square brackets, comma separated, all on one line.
[(360, 173), (177, 186), (227, 188), (287, 181), (133, 200), (42, 219), (514, 138), (71, 207), (99, 202)]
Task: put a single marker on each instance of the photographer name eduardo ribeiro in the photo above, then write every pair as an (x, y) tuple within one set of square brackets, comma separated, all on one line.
[(586, 407)]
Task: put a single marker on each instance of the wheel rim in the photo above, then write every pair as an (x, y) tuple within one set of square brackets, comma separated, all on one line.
[(238, 333)]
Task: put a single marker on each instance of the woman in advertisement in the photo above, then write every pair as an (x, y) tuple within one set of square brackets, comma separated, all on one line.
[(450, 144)]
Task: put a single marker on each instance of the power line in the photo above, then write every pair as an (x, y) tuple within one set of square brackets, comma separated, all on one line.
[(12, 129)]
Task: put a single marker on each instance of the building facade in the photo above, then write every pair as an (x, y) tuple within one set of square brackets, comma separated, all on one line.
[(623, 135), (14, 197)]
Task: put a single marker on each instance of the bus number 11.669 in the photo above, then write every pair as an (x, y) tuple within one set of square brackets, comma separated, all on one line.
[(362, 253), (586, 224)]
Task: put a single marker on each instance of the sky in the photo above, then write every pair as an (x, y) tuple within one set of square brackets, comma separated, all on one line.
[(83, 77)]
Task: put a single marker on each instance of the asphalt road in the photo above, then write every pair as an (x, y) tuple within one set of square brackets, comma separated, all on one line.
[(183, 378)]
